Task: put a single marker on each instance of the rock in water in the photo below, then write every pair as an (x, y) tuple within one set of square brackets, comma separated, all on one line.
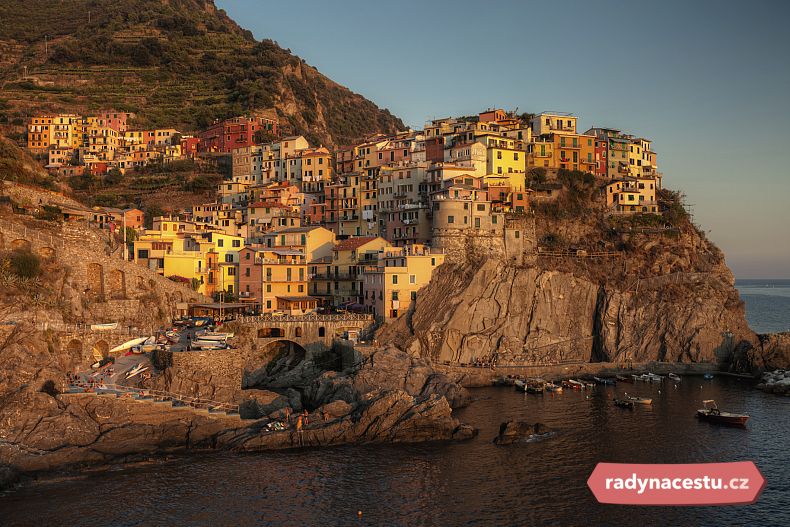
[(518, 431)]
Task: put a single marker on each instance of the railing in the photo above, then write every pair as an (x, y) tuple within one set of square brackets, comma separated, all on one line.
[(194, 402), (349, 317), (581, 253)]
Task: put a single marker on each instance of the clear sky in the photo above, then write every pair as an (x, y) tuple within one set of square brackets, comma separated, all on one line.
[(707, 81)]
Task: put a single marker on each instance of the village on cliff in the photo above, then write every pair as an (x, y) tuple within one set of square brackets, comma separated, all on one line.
[(298, 229)]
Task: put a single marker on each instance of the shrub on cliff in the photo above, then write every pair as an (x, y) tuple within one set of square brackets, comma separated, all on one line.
[(24, 264), (161, 359)]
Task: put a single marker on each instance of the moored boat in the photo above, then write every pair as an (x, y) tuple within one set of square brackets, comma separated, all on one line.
[(104, 327), (708, 376), (638, 400), (622, 403), (573, 384), (520, 385), (675, 377), (604, 381), (624, 378), (536, 386), (652, 377), (710, 412), (551, 387)]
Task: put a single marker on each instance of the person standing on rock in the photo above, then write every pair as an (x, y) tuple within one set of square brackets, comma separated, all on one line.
[(305, 417)]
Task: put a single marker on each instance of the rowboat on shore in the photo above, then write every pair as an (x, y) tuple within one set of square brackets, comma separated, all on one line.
[(711, 413), (624, 378), (208, 344), (622, 403), (604, 381), (675, 377), (638, 400)]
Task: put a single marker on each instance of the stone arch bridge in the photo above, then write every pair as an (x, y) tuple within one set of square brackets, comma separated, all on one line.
[(85, 345)]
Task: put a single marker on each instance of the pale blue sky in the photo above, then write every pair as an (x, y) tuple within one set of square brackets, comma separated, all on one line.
[(708, 81)]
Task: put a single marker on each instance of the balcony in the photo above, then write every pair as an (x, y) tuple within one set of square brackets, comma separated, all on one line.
[(334, 276)]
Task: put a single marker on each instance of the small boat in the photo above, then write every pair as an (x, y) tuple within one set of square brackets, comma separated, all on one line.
[(675, 377), (570, 383), (623, 378), (208, 344), (134, 371), (586, 385), (607, 382), (711, 413), (551, 387), (622, 403), (520, 385), (708, 376), (652, 377), (210, 335), (104, 327), (141, 370), (128, 344), (638, 400), (535, 387)]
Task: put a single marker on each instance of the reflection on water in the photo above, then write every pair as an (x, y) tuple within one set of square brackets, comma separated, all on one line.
[(470, 483)]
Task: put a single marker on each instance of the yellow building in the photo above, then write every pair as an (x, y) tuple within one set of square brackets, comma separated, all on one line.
[(315, 242), (632, 195), (276, 280), (504, 155), (338, 280), (391, 286), (553, 123)]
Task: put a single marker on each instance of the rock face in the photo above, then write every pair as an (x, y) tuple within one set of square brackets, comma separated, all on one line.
[(519, 431), (777, 382), (405, 402), (528, 314)]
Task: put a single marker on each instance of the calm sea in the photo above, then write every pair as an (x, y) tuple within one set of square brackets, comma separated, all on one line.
[(469, 483), (767, 304)]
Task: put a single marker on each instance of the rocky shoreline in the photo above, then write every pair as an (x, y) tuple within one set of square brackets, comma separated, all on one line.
[(776, 382)]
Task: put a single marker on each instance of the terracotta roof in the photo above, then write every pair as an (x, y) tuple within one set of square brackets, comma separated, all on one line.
[(353, 243)]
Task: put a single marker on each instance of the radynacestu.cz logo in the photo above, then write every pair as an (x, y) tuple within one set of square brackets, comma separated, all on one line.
[(677, 484)]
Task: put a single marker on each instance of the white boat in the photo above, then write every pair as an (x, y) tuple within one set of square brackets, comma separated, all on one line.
[(209, 344), (674, 377), (104, 327), (129, 344), (141, 370), (652, 377), (214, 336), (134, 371)]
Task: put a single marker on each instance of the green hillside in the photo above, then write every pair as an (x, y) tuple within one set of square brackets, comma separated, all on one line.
[(176, 63)]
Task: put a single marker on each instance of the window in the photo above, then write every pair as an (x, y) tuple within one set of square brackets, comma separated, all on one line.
[(412, 279), (247, 272), (481, 207), (518, 234), (450, 219), (413, 296), (237, 243), (220, 242), (394, 279), (228, 258), (499, 154), (142, 253), (231, 271), (247, 256), (321, 331)]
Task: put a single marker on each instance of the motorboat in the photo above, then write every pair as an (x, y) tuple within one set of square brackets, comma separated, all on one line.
[(536, 387), (675, 377), (520, 385), (710, 412), (708, 376), (638, 400), (573, 384)]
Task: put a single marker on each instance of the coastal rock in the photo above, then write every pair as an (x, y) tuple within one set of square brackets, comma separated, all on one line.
[(260, 403), (496, 311), (337, 408), (776, 382), (519, 431)]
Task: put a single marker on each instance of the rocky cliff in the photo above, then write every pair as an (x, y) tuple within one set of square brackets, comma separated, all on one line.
[(584, 288)]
